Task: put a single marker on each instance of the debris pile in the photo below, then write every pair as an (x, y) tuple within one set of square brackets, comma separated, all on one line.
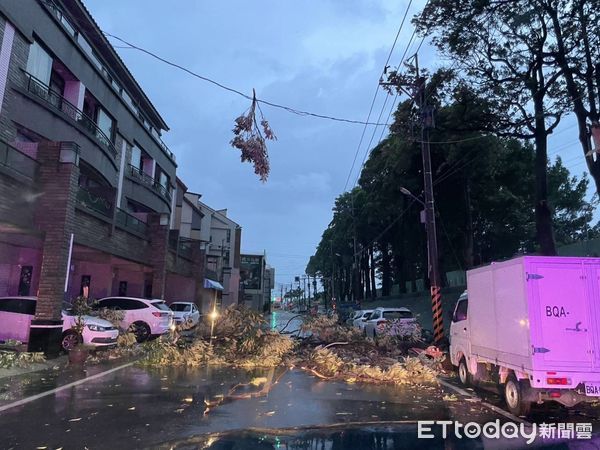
[(239, 339), (10, 359)]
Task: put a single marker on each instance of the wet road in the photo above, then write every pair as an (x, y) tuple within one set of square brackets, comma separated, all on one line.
[(167, 408)]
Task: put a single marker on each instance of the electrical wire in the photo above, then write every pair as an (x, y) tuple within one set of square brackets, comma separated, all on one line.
[(289, 109), (369, 148), (375, 98)]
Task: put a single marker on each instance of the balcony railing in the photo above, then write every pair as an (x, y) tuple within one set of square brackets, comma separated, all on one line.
[(18, 161), (98, 199), (181, 245), (185, 247), (129, 222), (146, 179), (58, 102)]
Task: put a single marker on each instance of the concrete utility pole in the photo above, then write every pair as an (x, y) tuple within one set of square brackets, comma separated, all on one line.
[(432, 249), (426, 112), (308, 291)]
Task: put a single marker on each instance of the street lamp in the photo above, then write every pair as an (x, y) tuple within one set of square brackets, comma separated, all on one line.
[(411, 195)]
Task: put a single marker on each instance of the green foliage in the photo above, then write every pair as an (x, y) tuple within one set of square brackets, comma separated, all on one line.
[(484, 187)]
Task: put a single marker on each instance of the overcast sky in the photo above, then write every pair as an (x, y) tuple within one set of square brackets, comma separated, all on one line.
[(323, 56)]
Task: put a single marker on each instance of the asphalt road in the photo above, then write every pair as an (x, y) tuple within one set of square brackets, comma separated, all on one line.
[(132, 407)]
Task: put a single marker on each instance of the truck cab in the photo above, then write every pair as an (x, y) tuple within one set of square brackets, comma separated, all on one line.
[(460, 344)]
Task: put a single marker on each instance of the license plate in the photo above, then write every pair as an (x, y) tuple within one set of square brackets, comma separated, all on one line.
[(592, 389)]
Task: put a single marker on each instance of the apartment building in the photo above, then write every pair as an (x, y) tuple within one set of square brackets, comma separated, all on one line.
[(86, 182), (223, 239), (257, 281)]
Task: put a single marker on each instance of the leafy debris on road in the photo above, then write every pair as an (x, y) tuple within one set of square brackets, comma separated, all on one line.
[(10, 359)]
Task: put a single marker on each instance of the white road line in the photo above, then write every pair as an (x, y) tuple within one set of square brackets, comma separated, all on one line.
[(486, 404), (62, 388)]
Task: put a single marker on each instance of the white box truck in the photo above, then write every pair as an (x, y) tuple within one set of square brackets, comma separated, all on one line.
[(531, 325)]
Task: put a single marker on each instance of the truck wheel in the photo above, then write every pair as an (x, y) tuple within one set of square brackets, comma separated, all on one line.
[(463, 372), (513, 395)]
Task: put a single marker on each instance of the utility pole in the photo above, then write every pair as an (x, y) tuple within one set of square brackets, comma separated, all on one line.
[(426, 114), (432, 250), (308, 292), (304, 290)]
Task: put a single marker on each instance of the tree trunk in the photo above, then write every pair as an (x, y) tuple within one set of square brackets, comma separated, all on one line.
[(468, 250), (576, 97), (365, 272), (373, 283), (543, 215), (386, 272)]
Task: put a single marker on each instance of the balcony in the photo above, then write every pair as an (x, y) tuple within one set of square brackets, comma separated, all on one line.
[(17, 161), (182, 246), (98, 199), (131, 223), (150, 182), (60, 104)]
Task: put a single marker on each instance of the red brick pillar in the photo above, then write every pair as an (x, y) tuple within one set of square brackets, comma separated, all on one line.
[(198, 257), (55, 216), (159, 244)]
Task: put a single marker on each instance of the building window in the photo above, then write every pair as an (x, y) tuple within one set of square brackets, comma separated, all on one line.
[(228, 236), (105, 123), (39, 63), (136, 157), (84, 289), (25, 280), (122, 288)]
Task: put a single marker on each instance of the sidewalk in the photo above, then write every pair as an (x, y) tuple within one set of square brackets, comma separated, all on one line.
[(19, 383), (58, 363)]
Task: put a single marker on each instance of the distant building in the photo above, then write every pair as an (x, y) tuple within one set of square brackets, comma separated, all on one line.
[(222, 237), (257, 281)]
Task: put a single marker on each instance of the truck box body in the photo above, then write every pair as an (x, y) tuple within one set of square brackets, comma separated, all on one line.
[(538, 316)]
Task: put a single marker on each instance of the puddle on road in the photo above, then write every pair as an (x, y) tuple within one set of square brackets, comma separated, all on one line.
[(339, 438)]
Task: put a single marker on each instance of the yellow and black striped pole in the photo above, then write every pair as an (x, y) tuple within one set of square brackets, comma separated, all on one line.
[(436, 308)]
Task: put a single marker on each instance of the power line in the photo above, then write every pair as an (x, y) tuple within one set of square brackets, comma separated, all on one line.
[(289, 109), (368, 150), (362, 136)]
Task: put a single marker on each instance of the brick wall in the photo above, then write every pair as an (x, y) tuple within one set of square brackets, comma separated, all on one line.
[(55, 216), (159, 239), (17, 204)]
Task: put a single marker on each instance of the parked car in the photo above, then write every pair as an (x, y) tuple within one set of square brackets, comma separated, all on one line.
[(185, 312), (380, 316), (143, 317), (360, 318), (16, 314)]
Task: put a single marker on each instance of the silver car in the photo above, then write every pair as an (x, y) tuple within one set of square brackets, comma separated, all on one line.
[(360, 318)]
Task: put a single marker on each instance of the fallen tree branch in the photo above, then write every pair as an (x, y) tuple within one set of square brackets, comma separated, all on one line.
[(317, 374), (336, 343)]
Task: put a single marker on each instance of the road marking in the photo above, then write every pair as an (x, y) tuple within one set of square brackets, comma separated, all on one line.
[(486, 404), (62, 388)]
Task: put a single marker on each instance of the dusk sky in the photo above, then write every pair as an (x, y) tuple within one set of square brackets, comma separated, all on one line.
[(321, 56)]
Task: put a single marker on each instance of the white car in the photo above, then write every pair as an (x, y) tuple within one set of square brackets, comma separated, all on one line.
[(380, 316), (143, 317), (16, 314), (185, 312), (360, 318)]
